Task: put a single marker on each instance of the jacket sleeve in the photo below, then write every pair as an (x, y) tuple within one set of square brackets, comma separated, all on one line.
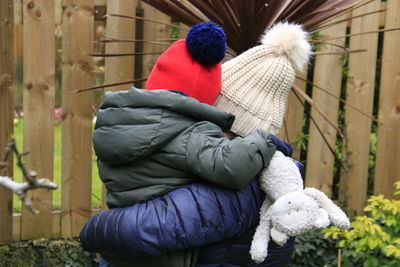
[(229, 163), (191, 216), (282, 146)]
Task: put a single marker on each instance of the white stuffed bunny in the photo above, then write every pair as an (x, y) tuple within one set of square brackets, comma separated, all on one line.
[(294, 210)]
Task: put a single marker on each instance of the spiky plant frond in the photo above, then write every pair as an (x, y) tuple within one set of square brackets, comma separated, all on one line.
[(245, 20)]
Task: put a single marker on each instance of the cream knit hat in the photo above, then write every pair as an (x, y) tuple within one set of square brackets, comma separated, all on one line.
[(255, 84)]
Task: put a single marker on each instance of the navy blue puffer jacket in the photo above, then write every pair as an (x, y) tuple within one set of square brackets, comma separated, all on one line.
[(224, 232), (191, 216)]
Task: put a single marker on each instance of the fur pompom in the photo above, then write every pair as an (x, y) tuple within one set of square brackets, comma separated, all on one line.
[(288, 39)]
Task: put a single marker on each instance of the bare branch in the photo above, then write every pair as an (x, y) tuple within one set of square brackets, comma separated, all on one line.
[(145, 19), (321, 133), (132, 41), (360, 33), (32, 181), (321, 27), (126, 54), (309, 100), (21, 188), (340, 52), (108, 85)]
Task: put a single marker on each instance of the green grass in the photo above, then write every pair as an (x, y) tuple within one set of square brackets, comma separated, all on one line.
[(96, 182)]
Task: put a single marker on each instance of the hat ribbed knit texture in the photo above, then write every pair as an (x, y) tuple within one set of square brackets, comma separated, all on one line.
[(175, 69), (255, 86), (192, 66)]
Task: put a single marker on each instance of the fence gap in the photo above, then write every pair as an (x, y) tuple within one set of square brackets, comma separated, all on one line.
[(139, 28)]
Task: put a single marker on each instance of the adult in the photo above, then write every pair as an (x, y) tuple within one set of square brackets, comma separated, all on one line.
[(199, 148)]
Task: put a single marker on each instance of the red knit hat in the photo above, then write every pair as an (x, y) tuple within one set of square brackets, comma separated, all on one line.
[(192, 65)]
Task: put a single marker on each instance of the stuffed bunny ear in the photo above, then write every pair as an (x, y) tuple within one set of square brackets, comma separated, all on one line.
[(322, 219), (259, 245), (336, 215)]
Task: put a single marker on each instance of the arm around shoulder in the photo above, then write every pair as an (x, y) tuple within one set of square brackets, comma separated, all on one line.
[(229, 163)]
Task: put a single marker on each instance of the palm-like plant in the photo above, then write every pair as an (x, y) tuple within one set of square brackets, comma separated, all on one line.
[(245, 20)]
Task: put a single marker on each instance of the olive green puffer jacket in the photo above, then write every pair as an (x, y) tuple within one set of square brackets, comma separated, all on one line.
[(151, 142)]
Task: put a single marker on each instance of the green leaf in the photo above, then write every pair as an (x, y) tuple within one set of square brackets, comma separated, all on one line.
[(371, 262), (371, 243)]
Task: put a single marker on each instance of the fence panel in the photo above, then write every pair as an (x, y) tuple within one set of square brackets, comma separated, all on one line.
[(77, 124), (39, 92), (388, 146), (360, 93), (152, 33), (328, 75), (78, 34), (6, 111)]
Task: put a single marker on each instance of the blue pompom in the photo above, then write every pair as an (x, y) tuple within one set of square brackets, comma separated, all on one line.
[(206, 43)]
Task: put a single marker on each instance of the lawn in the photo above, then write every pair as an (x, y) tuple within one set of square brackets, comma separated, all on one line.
[(96, 183)]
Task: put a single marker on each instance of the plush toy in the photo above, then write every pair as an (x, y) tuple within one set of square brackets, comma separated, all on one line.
[(290, 210)]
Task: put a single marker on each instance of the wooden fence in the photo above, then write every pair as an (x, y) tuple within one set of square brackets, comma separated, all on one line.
[(353, 78)]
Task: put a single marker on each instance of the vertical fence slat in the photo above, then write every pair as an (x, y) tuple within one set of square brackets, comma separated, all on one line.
[(6, 111), (39, 69), (16, 225), (388, 146), (118, 69), (327, 74), (293, 124), (360, 93), (153, 31), (78, 25)]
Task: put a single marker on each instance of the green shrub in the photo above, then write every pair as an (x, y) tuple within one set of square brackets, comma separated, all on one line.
[(373, 239), (312, 250), (44, 252)]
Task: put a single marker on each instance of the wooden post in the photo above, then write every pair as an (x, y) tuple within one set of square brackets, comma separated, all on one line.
[(119, 69), (327, 74), (360, 93), (388, 147), (78, 34), (6, 112), (39, 70), (153, 31), (293, 125)]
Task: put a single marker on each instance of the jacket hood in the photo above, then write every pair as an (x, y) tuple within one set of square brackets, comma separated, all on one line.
[(134, 123)]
